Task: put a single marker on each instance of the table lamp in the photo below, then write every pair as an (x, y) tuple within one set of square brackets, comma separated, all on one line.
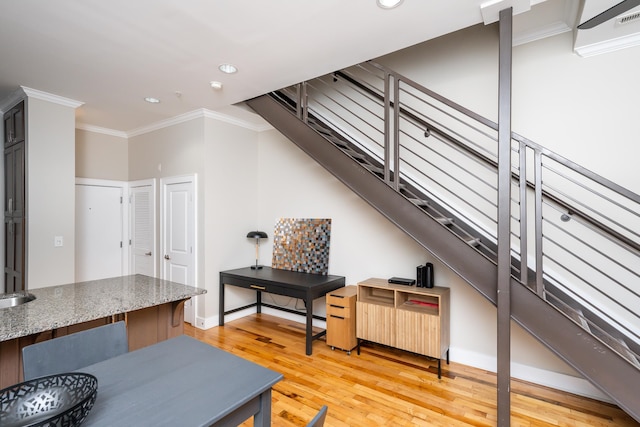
[(256, 235)]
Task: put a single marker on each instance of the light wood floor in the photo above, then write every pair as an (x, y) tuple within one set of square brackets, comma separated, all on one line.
[(387, 387)]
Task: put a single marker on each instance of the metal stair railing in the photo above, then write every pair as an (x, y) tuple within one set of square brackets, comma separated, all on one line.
[(575, 235)]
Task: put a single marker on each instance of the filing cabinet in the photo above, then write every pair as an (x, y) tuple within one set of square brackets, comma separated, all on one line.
[(341, 318)]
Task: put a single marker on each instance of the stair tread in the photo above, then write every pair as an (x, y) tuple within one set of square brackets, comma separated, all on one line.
[(419, 202), (373, 168), (473, 241), (445, 220), (320, 128), (339, 142), (620, 346)]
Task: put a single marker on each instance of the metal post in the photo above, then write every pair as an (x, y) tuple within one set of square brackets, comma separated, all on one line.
[(396, 134), (538, 223), (504, 218), (303, 102), (387, 126), (524, 252)]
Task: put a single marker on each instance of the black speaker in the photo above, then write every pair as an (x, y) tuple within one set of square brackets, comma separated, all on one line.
[(428, 275), (420, 276)]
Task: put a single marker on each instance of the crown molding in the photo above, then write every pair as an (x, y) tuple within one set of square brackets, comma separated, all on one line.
[(104, 131), (550, 30), (235, 121), (608, 45), (166, 123), (196, 114), (56, 99)]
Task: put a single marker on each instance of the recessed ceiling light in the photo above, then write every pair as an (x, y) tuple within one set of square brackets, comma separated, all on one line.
[(152, 100), (216, 85), (227, 68), (389, 4)]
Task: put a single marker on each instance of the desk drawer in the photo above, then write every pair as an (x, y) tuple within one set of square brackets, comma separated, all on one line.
[(342, 302), (338, 310), (274, 289)]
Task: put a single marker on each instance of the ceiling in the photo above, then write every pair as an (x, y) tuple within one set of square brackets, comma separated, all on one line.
[(110, 55)]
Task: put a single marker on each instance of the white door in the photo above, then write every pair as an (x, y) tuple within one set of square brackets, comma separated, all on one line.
[(143, 227), (179, 234), (99, 235)]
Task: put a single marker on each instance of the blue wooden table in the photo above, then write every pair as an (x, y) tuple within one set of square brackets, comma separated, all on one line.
[(180, 382)]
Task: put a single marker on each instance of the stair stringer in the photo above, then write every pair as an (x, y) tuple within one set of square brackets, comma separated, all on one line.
[(596, 362), (411, 219)]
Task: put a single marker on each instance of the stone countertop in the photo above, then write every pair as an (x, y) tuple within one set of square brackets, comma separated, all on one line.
[(64, 305)]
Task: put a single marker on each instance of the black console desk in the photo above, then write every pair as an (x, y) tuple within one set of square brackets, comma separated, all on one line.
[(305, 286)]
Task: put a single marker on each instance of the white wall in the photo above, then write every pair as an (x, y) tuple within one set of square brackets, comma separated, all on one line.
[(50, 193), (231, 210), (101, 156)]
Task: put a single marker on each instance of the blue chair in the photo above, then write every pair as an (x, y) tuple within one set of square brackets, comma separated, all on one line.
[(74, 351), (318, 420)]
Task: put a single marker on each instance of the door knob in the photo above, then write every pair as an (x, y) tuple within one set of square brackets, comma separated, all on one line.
[(148, 253), (167, 257)]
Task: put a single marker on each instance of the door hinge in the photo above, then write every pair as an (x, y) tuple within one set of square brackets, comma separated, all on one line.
[(120, 243), (129, 242), (120, 199)]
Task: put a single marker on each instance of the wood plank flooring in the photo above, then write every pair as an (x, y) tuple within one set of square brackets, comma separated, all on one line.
[(387, 387)]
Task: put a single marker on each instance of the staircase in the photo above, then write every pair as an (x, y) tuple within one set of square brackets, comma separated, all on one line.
[(430, 167)]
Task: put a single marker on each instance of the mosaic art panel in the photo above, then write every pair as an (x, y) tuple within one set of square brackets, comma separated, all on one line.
[(302, 244)]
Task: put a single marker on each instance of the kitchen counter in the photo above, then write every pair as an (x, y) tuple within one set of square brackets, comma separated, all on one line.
[(152, 308), (66, 305)]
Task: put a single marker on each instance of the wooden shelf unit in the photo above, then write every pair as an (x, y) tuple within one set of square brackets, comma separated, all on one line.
[(405, 317)]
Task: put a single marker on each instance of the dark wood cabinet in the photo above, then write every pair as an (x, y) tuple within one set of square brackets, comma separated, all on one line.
[(14, 125), (14, 198)]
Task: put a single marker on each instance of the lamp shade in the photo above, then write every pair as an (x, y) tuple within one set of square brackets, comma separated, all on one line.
[(257, 235)]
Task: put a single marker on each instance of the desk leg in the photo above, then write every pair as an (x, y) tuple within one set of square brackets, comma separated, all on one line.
[(258, 302), (263, 417), (221, 302), (309, 336)]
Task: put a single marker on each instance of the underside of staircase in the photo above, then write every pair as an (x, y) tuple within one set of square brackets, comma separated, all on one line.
[(448, 240)]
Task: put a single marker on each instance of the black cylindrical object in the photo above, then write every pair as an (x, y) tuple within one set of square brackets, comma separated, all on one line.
[(420, 276), (428, 275)]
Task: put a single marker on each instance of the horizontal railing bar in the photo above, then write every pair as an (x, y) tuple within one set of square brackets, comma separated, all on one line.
[(603, 229), (480, 132), (579, 169), (586, 282), (442, 99), (517, 138), (582, 241), (349, 111), (608, 199)]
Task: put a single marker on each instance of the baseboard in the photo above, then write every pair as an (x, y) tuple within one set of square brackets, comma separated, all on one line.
[(555, 380), (210, 322)]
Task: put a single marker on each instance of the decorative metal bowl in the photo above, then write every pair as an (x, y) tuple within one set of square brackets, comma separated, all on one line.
[(55, 400)]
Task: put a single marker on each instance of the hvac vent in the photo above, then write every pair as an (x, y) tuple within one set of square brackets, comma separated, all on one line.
[(628, 18)]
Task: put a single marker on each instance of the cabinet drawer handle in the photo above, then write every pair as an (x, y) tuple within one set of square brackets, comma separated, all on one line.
[(336, 306), (337, 317), (260, 288)]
